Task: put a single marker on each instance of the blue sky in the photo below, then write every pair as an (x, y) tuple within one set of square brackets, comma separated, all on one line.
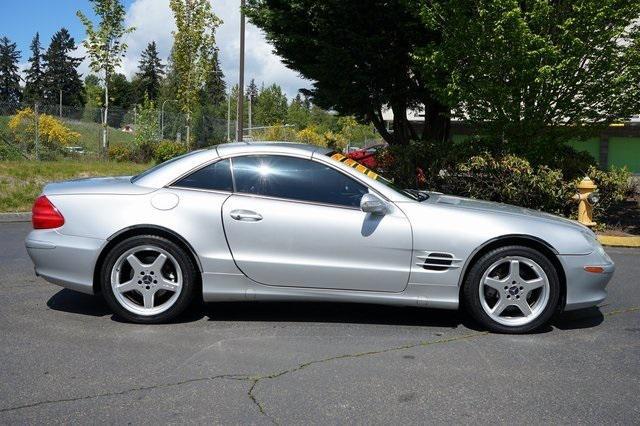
[(21, 19)]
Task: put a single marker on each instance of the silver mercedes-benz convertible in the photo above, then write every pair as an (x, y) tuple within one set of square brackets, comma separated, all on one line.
[(291, 222)]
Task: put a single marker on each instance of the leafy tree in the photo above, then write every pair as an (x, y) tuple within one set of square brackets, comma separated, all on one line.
[(529, 72), (298, 113), (150, 72), (359, 55), (169, 84), (234, 108), (61, 78), (34, 79), (193, 50), (105, 47), (147, 129), (94, 97), (271, 106), (323, 119), (354, 132), (9, 77)]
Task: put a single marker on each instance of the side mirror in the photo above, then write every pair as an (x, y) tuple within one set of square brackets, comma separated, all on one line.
[(371, 203)]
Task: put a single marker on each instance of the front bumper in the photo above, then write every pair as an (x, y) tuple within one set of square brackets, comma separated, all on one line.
[(64, 260), (586, 289)]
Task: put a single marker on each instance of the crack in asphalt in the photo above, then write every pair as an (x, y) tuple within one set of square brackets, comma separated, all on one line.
[(126, 391), (256, 379), (299, 367)]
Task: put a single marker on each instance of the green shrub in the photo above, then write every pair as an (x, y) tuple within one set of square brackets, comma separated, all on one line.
[(166, 150), (120, 153), (614, 186), (512, 180), (143, 152)]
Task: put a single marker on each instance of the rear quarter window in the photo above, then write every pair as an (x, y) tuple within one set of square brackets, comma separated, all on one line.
[(214, 177)]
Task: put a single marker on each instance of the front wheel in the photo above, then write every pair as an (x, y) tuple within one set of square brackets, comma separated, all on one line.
[(148, 279), (512, 289)]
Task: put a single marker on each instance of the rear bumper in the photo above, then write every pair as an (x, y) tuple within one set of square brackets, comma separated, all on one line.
[(64, 260), (586, 289)]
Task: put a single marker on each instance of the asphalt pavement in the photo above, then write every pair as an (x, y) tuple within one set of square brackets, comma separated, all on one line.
[(65, 358)]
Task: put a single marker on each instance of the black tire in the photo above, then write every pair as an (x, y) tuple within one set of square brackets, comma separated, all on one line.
[(189, 279), (471, 289)]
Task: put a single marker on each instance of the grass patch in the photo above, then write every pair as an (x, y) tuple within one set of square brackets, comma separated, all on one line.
[(22, 181), (91, 134)]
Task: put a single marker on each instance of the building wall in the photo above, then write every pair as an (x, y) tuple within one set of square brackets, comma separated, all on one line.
[(616, 146)]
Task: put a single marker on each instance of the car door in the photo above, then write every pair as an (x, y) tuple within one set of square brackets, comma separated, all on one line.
[(296, 222)]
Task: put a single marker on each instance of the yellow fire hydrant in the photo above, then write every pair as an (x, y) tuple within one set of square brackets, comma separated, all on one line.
[(586, 197)]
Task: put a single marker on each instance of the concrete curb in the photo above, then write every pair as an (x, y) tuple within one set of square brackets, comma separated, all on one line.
[(608, 240), (15, 217)]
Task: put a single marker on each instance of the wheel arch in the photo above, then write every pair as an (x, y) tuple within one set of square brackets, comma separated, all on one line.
[(523, 240), (145, 229)]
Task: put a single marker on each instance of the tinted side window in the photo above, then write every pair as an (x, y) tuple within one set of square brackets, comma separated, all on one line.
[(216, 176), (295, 178)]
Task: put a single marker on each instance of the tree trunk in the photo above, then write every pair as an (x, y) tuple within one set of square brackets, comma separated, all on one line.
[(188, 130), (402, 133), (375, 116), (437, 122), (105, 142)]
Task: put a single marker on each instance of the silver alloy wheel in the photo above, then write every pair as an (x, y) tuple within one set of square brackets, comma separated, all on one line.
[(146, 280), (514, 291)]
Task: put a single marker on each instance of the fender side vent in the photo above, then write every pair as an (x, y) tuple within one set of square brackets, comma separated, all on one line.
[(435, 261)]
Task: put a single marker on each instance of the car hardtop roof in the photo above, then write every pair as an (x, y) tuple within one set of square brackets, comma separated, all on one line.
[(164, 173), (270, 144)]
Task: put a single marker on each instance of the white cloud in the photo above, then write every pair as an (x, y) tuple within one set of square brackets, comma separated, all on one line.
[(154, 21)]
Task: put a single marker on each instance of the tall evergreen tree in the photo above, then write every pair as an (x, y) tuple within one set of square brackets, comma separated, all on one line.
[(151, 71), (9, 77), (214, 92), (34, 83), (61, 75), (252, 90)]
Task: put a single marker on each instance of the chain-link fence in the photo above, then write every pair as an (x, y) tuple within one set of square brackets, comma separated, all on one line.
[(48, 131)]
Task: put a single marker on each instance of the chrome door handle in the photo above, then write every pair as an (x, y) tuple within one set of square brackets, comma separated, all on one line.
[(245, 215)]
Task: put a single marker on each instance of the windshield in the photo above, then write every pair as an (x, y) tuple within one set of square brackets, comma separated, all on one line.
[(410, 193)]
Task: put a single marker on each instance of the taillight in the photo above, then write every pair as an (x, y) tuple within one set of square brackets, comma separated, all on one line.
[(45, 215)]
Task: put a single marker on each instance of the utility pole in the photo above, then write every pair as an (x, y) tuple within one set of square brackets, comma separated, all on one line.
[(250, 121), (37, 125), (229, 116), (240, 114)]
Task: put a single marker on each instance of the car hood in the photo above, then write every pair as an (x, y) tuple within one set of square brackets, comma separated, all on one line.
[(103, 185), (493, 207)]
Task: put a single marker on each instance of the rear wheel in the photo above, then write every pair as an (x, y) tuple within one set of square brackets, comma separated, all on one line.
[(148, 279), (512, 289)]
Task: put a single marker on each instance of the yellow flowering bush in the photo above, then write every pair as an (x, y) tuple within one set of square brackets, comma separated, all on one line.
[(53, 134)]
